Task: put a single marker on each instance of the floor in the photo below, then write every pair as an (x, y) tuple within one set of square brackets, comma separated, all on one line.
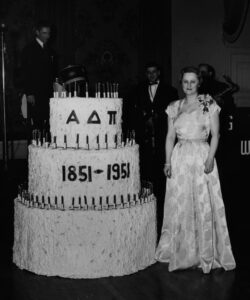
[(152, 283)]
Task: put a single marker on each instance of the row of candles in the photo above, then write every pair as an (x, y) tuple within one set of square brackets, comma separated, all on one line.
[(82, 203), (108, 90), (102, 90), (44, 139)]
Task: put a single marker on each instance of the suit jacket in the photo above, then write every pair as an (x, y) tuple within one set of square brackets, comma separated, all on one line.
[(150, 116), (38, 71)]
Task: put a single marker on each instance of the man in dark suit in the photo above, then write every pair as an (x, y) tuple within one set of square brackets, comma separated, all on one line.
[(38, 68), (151, 100)]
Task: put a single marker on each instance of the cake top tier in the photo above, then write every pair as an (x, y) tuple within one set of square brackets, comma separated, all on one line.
[(77, 119)]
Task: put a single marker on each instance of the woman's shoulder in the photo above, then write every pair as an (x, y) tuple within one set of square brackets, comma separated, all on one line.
[(173, 107), (175, 103)]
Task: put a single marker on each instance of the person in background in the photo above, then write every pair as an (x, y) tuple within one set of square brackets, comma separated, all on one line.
[(151, 98), (222, 93), (38, 73), (194, 231)]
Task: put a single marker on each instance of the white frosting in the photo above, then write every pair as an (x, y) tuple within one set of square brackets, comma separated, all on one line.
[(61, 172), (72, 116), (84, 244)]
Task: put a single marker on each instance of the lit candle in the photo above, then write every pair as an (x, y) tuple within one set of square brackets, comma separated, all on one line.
[(86, 90), (56, 202), (103, 89), (63, 93), (122, 141), (132, 138), (62, 202), (43, 137), (75, 90), (65, 141), (39, 138), (114, 90), (43, 202), (49, 203), (117, 93), (98, 143), (111, 91), (96, 92), (106, 140), (34, 142), (77, 140), (36, 201), (107, 90), (87, 141), (99, 90), (85, 201), (54, 142)]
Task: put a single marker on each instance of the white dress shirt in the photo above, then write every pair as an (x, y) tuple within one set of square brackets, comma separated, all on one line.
[(152, 90), (40, 42)]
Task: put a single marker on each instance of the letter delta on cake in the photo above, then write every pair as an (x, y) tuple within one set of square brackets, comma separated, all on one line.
[(84, 213)]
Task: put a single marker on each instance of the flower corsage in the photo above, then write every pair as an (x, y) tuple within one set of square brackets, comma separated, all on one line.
[(205, 101)]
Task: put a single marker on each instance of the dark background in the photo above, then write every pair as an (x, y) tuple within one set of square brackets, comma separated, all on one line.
[(114, 39)]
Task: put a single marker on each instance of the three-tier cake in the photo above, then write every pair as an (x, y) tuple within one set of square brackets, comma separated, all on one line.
[(84, 214)]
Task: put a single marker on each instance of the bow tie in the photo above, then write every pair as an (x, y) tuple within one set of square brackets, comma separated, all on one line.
[(153, 83)]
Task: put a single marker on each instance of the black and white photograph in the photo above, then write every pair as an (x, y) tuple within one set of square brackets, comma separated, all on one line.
[(125, 149)]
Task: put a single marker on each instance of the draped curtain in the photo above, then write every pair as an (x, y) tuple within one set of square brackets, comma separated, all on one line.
[(235, 12)]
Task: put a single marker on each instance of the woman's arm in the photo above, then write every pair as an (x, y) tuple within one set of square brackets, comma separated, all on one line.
[(170, 140), (215, 135)]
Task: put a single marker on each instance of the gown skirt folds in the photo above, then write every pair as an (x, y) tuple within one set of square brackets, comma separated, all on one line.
[(194, 231)]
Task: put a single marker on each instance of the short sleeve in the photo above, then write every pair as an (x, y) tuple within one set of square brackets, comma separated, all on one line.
[(213, 108), (171, 110)]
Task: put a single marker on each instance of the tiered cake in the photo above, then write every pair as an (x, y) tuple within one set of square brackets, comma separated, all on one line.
[(84, 214)]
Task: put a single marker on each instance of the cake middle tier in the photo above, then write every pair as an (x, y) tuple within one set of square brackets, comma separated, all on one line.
[(90, 176), (87, 122)]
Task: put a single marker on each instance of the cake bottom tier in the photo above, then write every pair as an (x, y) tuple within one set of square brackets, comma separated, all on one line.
[(84, 244)]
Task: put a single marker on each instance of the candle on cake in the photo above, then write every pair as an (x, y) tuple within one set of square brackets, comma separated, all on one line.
[(86, 90)]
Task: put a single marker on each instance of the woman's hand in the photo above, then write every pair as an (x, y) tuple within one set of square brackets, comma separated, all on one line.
[(167, 170), (209, 165)]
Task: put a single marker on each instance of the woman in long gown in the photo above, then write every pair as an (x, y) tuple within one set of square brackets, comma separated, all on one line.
[(194, 231)]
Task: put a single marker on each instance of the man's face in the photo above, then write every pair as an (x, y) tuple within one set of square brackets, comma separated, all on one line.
[(204, 72), (152, 74), (43, 34)]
